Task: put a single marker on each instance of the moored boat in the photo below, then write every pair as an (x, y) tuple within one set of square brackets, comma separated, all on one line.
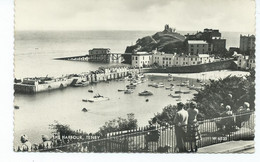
[(81, 84), (160, 85), (85, 110), (145, 93), (186, 92), (178, 92), (175, 96), (96, 98), (128, 91), (167, 88)]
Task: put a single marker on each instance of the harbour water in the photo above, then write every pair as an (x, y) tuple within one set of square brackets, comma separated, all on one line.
[(34, 53)]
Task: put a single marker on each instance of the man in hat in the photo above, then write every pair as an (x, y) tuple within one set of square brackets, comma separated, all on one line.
[(181, 121), (26, 145)]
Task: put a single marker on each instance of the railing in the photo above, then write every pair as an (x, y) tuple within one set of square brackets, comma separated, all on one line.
[(162, 139)]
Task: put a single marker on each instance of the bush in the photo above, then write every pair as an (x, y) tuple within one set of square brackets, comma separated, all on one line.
[(119, 124), (242, 90)]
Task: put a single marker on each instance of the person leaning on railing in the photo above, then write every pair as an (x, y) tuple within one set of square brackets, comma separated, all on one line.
[(243, 114), (193, 132), (228, 121), (181, 121)]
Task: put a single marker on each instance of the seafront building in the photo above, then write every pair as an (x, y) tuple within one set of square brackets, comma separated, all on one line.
[(141, 59), (247, 44), (209, 37), (198, 46), (245, 62), (161, 59)]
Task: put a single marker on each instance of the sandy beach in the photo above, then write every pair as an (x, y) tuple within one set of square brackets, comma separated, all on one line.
[(214, 75)]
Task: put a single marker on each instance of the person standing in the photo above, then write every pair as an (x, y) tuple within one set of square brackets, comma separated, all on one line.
[(193, 132), (26, 145), (181, 121), (46, 143)]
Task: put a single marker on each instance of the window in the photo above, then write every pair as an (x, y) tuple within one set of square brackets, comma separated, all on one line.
[(191, 45), (136, 58), (197, 45), (176, 62), (184, 59), (193, 62), (170, 59), (186, 63), (191, 59), (143, 57), (195, 59)]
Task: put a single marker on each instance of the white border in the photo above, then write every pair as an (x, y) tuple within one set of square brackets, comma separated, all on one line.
[(6, 111)]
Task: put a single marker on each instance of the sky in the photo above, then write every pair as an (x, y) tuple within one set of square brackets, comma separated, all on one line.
[(184, 15)]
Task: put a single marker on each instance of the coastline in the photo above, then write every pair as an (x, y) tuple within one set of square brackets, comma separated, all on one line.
[(214, 75)]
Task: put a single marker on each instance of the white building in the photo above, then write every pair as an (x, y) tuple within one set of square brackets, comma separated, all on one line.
[(245, 62), (199, 47), (188, 60), (141, 59), (163, 59)]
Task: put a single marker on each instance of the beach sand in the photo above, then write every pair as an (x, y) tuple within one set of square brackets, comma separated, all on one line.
[(214, 75)]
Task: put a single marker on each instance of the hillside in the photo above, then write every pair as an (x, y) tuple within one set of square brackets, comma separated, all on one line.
[(167, 41)]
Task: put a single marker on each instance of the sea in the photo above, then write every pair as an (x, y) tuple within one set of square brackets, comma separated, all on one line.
[(34, 57)]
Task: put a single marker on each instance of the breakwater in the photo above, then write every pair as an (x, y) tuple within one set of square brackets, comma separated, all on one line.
[(40, 84), (220, 65)]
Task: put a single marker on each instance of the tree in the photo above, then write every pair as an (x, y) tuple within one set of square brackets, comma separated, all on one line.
[(166, 116), (119, 124), (232, 90)]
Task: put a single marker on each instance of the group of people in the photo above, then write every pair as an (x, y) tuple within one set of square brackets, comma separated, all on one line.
[(26, 146), (230, 121), (187, 127)]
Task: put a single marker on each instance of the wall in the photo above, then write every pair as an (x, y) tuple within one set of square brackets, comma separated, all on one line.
[(227, 64)]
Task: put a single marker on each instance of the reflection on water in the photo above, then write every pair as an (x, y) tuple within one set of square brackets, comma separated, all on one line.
[(38, 111)]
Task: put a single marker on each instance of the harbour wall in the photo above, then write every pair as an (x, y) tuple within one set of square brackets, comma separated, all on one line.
[(71, 80), (220, 65)]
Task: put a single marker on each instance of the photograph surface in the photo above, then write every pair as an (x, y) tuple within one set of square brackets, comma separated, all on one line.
[(129, 76)]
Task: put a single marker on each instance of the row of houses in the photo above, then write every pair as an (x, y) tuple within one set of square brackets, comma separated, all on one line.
[(142, 59)]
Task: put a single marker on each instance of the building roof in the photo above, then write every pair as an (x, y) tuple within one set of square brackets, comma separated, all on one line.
[(101, 49), (141, 53), (203, 55), (197, 42)]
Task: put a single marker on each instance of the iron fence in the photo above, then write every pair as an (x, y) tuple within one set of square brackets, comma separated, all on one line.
[(162, 139)]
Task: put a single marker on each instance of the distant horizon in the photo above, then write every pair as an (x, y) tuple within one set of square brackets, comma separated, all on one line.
[(177, 31)]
